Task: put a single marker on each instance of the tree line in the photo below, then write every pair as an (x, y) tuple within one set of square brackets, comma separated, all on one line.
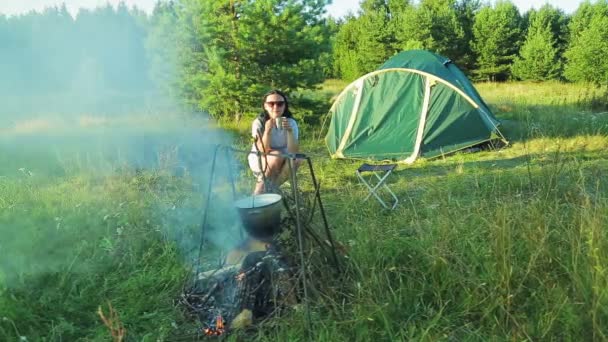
[(489, 42), (220, 56)]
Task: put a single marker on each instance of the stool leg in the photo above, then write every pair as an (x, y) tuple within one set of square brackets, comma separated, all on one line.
[(369, 188), (393, 195), (390, 191), (373, 190), (381, 182)]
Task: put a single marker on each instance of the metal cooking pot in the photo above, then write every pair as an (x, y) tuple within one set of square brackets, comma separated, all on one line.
[(261, 215)]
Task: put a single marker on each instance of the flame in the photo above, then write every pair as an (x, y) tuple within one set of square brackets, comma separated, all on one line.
[(219, 322), (216, 330)]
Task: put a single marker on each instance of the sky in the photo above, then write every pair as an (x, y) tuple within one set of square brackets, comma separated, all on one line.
[(337, 9)]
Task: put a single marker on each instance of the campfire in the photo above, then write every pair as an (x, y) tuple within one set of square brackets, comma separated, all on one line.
[(255, 283)]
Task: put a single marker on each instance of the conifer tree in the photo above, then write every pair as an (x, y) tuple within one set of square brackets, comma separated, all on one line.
[(538, 60), (540, 56), (374, 37), (433, 25), (327, 58), (386, 27), (466, 11), (363, 43), (587, 55), (558, 21), (589, 44), (497, 35), (581, 18), (240, 49), (345, 50)]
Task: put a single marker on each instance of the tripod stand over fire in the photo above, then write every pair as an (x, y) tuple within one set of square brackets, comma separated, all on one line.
[(267, 273)]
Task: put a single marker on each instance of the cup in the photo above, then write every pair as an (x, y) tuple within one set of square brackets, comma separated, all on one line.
[(278, 123)]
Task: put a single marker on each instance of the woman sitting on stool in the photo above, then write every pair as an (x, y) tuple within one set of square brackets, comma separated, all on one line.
[(275, 132)]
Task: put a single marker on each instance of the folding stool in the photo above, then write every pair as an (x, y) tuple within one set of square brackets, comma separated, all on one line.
[(378, 170)]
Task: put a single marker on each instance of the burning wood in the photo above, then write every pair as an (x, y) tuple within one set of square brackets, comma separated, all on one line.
[(256, 288), (220, 273), (217, 329)]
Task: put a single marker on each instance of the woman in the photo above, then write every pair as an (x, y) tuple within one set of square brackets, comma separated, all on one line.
[(275, 132)]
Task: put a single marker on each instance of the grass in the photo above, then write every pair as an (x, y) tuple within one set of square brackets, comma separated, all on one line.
[(496, 245)]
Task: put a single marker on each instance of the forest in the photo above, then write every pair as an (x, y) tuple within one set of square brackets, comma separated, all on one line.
[(219, 57)]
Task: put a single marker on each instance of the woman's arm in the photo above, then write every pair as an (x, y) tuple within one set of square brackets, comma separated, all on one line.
[(263, 144)]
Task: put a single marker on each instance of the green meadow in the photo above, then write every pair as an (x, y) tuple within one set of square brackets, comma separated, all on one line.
[(506, 244)]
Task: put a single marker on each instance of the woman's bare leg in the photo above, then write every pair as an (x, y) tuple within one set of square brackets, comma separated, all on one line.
[(272, 166), (259, 188), (285, 172)]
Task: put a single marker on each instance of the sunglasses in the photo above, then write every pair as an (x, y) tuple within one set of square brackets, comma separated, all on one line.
[(275, 103)]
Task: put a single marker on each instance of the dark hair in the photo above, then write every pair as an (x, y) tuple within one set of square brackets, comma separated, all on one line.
[(263, 116)]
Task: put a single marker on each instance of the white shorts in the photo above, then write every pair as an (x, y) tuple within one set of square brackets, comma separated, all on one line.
[(255, 162)]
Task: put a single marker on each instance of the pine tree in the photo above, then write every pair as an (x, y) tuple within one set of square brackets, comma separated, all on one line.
[(587, 55), (540, 55), (497, 35), (584, 13), (538, 59), (363, 43), (558, 21), (433, 25), (241, 49), (386, 27), (374, 36), (326, 59), (588, 44), (466, 11), (345, 50)]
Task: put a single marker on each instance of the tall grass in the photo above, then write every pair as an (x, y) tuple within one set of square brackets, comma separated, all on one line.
[(74, 245), (498, 245)]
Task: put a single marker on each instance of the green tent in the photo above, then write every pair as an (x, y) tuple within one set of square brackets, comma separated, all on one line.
[(416, 104)]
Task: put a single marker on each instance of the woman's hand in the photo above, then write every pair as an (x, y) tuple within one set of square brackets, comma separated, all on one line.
[(286, 124), (269, 125)]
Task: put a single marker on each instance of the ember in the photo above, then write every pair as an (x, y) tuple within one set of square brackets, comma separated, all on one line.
[(216, 329)]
